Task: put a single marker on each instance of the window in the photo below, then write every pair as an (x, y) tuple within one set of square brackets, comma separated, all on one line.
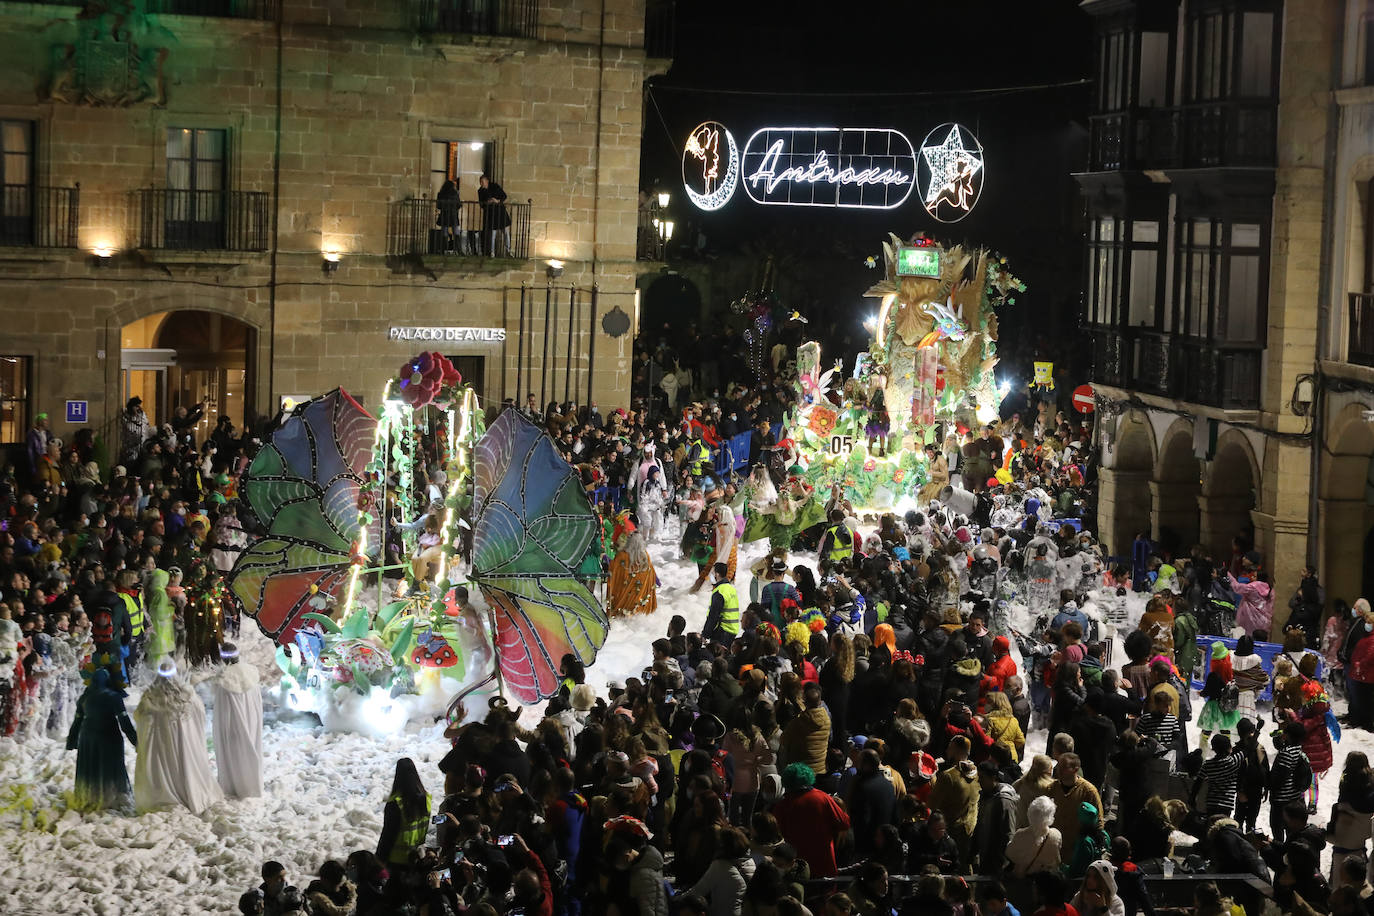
[(462, 160), (1105, 252), (195, 187), (1256, 54), (1144, 273), (1240, 322), (1369, 51), (1199, 269), (1210, 55), (16, 182), (1114, 65), (14, 398), (1154, 70)]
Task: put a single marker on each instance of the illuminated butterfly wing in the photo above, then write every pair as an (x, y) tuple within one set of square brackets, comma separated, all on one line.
[(303, 486), (534, 526)]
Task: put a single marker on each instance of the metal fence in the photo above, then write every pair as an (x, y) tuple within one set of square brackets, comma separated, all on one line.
[(511, 18), (167, 218), (425, 226), (39, 217)]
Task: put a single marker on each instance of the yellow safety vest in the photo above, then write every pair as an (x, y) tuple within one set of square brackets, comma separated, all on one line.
[(135, 609), (411, 836), (840, 550), (729, 616), (699, 459)]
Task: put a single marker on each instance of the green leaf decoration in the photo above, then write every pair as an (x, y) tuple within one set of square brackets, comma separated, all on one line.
[(389, 611), (400, 650), (356, 626), (324, 620)]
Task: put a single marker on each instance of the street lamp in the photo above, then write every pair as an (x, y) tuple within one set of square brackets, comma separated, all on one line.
[(663, 198), (665, 230)]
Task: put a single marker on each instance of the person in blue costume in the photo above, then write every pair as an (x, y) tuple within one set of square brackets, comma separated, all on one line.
[(102, 781)]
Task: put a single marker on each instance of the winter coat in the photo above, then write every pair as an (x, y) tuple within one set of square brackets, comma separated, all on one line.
[(646, 883), (1232, 853), (956, 794), (1094, 737), (724, 884), (1031, 850), (324, 902), (811, 821), (996, 824), (1092, 843), (1067, 803), (1361, 667), (1256, 609), (1186, 650), (872, 802), (806, 739), (1316, 744), (1159, 626), (749, 755), (1007, 731)]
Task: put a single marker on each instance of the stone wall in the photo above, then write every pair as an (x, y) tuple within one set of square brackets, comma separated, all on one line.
[(332, 114)]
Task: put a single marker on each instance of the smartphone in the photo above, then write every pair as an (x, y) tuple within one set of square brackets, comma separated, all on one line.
[(444, 874), (458, 857), (505, 839), (438, 818)]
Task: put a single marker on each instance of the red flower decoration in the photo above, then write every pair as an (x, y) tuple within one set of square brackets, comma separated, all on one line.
[(871, 465), (899, 475), (822, 420), (423, 377)]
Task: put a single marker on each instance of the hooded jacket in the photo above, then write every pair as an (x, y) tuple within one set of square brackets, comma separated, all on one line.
[(1107, 902), (1232, 852), (1068, 805), (956, 794), (1037, 846), (996, 824), (1092, 843)]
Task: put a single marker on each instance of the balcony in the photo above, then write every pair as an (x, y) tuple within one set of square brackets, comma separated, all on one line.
[(39, 217), (1138, 139), (1180, 368), (654, 232), (179, 220), (1360, 342), (222, 9), (510, 18), (421, 227), (660, 28), (1201, 135)]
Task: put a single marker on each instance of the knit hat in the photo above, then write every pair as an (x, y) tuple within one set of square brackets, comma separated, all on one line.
[(1219, 650)]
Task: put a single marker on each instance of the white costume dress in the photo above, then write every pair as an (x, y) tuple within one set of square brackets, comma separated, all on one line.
[(238, 730), (173, 765)]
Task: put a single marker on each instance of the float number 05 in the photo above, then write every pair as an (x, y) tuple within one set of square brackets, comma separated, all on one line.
[(841, 445)]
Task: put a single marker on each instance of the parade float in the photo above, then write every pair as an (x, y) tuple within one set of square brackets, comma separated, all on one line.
[(927, 374), (361, 641)]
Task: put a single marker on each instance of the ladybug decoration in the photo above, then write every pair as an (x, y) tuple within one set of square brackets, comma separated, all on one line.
[(433, 651)]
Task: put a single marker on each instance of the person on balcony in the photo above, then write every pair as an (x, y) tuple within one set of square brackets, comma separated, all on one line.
[(495, 218), (450, 214)]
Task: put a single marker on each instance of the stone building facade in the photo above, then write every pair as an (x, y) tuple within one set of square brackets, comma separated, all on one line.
[(1227, 284), (271, 167)]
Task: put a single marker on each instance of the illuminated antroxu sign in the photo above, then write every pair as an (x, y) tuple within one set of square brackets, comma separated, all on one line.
[(864, 168), (918, 262), (950, 172)]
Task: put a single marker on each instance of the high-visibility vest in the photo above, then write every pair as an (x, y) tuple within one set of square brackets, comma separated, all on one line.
[(699, 459), (411, 836), (135, 609), (729, 615), (840, 549)]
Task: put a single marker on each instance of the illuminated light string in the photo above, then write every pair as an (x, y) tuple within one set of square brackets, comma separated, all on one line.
[(703, 145), (877, 162)]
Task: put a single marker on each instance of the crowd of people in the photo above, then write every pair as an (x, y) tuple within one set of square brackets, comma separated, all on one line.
[(916, 713)]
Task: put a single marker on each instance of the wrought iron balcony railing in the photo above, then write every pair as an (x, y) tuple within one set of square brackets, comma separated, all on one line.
[(425, 226), (223, 9), (168, 218), (1184, 368), (511, 18), (39, 217), (1201, 135)]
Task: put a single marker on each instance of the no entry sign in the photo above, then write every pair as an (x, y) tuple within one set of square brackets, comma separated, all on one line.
[(1083, 399)]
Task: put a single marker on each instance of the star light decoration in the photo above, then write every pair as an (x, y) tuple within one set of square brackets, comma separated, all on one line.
[(956, 171)]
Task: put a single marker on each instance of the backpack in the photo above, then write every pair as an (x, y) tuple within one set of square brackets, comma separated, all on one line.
[(102, 626), (1230, 697), (1302, 773)]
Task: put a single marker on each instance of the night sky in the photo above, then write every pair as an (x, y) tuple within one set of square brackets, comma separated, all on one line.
[(908, 66)]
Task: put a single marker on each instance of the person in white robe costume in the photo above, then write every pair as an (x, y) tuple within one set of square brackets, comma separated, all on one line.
[(238, 726), (173, 766)]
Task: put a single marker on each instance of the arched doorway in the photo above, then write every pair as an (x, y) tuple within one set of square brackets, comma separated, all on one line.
[(1176, 487), (1124, 504), (671, 299), (1347, 507), (182, 358), (1229, 496)]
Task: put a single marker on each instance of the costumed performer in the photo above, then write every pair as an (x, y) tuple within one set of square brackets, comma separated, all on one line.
[(633, 583), (173, 766), (161, 625), (101, 778), (725, 548), (653, 499), (238, 725)]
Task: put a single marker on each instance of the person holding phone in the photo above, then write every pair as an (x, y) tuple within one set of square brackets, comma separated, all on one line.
[(533, 893), (405, 819)]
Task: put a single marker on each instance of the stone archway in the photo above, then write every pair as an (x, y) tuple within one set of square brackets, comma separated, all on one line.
[(671, 300), (1228, 494), (1124, 500), (1175, 490), (1346, 505)]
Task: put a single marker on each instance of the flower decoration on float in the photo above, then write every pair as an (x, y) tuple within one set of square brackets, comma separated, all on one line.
[(423, 378)]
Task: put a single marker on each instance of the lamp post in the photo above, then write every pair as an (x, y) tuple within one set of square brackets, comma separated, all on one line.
[(662, 224)]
